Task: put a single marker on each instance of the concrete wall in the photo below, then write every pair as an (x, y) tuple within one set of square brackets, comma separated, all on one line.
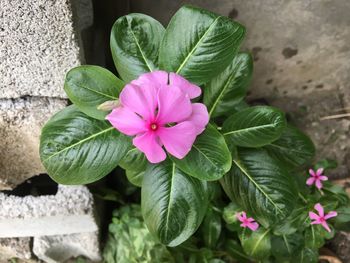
[(302, 53)]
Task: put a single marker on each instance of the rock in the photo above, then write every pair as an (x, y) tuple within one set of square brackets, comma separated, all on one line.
[(340, 244), (56, 249), (21, 121), (15, 248), (39, 42), (70, 211), (301, 52)]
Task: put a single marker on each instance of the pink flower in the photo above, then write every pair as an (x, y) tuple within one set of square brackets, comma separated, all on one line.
[(316, 178), (247, 222), (157, 109), (320, 218)]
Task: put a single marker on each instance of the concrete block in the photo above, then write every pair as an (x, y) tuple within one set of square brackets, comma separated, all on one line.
[(21, 121), (69, 211), (15, 248), (56, 249), (39, 43)]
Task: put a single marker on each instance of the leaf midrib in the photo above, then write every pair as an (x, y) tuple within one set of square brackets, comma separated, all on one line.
[(259, 240), (287, 244), (139, 47), (170, 203), (196, 46), (249, 128), (200, 151), (79, 142), (285, 148), (97, 92), (257, 186), (221, 93)]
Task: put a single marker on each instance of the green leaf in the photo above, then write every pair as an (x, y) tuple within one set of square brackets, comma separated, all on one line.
[(173, 203), (89, 86), (130, 241), (135, 164), (286, 246), (314, 236), (228, 89), (211, 228), (254, 127), (342, 219), (256, 244), (343, 215), (199, 44), (260, 185), (209, 158), (230, 211), (307, 255), (135, 41), (77, 149), (293, 147), (236, 251), (295, 221), (335, 193), (326, 164)]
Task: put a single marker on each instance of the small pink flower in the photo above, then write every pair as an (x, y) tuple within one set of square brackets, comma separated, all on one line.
[(247, 222), (320, 218), (157, 109), (316, 178)]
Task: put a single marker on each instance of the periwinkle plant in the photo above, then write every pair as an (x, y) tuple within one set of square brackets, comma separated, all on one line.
[(182, 89)]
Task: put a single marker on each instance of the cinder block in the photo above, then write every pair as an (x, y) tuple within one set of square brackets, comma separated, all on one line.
[(70, 211), (57, 249), (21, 121), (39, 42), (15, 248)]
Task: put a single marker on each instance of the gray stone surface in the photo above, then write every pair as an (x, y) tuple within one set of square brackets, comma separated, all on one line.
[(341, 245), (56, 249), (39, 43), (15, 248), (21, 121), (71, 210), (302, 53)]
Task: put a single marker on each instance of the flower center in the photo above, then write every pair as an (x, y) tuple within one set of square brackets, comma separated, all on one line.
[(322, 219), (154, 126)]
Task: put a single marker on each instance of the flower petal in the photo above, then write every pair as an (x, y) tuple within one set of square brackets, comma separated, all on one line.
[(323, 178), (240, 216), (319, 171), (314, 216), (173, 105), (250, 219), (318, 184), (126, 121), (312, 172), (178, 140), (325, 225), (253, 226), (140, 99), (157, 79), (319, 209), (199, 117), (149, 145), (187, 87), (310, 181), (330, 214), (243, 225)]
